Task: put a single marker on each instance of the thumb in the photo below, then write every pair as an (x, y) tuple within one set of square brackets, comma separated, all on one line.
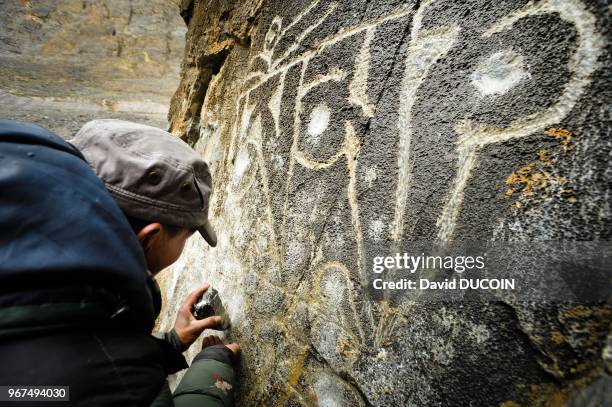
[(234, 348), (207, 323), (194, 296)]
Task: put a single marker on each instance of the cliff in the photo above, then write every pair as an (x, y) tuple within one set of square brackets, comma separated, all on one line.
[(334, 128), (64, 62)]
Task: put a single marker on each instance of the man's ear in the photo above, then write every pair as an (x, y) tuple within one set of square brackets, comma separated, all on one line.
[(146, 233)]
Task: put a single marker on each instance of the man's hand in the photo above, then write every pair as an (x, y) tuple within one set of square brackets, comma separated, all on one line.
[(215, 340), (187, 327)]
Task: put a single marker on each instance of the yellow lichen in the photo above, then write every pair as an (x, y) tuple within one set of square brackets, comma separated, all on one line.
[(343, 345), (557, 337), (564, 137), (546, 394), (536, 181), (578, 312), (295, 372), (594, 320), (526, 180), (543, 156)]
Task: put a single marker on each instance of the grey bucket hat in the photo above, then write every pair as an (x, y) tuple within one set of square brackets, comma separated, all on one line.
[(151, 174)]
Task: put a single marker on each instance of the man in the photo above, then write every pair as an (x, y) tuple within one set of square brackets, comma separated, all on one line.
[(163, 187), (76, 302)]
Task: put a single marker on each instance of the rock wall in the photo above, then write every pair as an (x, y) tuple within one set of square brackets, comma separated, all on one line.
[(64, 62), (336, 127)]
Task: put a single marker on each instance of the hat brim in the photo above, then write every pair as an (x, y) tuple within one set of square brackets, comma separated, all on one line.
[(208, 233)]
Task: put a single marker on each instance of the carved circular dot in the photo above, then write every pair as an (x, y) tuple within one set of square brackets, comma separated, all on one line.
[(318, 123)]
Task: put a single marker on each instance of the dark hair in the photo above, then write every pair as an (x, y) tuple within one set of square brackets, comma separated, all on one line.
[(138, 224)]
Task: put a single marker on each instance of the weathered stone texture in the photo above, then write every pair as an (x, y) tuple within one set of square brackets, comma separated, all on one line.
[(335, 129), (63, 62)]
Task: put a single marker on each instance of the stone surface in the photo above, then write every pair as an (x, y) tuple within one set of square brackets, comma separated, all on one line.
[(335, 129), (64, 62), (339, 129)]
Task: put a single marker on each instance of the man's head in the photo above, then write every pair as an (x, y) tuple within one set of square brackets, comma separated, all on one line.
[(162, 244), (161, 184)]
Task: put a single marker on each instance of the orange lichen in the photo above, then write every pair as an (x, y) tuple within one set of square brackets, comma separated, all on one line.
[(527, 180), (537, 181), (557, 337), (542, 155), (546, 394), (578, 312), (595, 320), (564, 137), (551, 394), (343, 345)]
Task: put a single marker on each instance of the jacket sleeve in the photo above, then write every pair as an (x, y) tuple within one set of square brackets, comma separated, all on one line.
[(164, 398), (209, 381), (172, 338)]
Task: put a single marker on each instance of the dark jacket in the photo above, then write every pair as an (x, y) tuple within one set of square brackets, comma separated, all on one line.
[(62, 237), (76, 302)]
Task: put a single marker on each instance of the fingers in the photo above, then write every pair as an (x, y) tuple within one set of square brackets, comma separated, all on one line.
[(215, 340), (194, 296), (210, 341), (207, 323), (234, 348)]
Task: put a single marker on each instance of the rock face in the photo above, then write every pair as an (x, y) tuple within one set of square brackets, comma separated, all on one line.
[(63, 62), (336, 128)]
